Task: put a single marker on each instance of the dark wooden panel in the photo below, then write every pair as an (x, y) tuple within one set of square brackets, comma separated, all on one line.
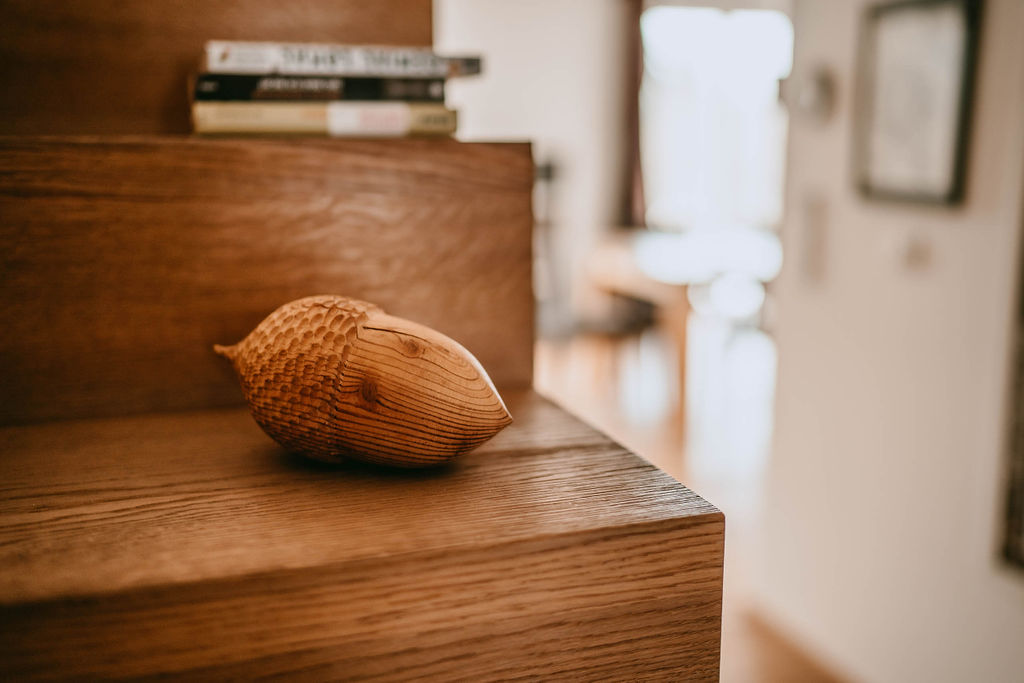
[(109, 66), (125, 259), (192, 544)]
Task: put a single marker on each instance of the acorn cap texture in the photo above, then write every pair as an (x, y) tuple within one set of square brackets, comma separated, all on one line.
[(332, 377)]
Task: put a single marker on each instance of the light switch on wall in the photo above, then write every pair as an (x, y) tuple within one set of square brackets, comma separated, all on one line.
[(908, 249)]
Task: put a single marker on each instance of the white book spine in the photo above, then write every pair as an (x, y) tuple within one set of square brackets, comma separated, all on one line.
[(228, 56)]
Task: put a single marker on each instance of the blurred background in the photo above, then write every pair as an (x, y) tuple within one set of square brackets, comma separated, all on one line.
[(777, 255)]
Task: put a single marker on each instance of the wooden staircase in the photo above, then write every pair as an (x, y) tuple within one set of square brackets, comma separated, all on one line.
[(148, 527)]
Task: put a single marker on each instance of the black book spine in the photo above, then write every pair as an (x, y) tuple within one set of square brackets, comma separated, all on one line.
[(234, 87)]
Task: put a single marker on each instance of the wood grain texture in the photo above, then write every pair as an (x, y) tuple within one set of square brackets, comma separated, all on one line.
[(332, 378), (125, 260), (107, 66), (192, 545)]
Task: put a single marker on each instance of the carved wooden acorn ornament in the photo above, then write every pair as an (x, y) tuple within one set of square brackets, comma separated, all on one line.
[(332, 377)]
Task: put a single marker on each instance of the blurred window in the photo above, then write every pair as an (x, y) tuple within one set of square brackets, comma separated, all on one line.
[(712, 129)]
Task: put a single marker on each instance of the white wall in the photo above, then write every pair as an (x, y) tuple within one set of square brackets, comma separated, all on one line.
[(882, 510), (553, 74)]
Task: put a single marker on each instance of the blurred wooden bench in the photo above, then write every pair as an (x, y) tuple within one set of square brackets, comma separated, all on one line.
[(147, 525)]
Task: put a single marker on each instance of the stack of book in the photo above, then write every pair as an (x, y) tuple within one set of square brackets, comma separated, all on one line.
[(320, 89)]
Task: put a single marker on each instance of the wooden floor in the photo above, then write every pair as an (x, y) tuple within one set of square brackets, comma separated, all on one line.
[(627, 387)]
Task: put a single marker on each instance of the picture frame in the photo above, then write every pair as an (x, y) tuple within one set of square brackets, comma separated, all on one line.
[(916, 72), (1013, 528)]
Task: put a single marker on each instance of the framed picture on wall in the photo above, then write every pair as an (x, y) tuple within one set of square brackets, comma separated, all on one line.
[(914, 99)]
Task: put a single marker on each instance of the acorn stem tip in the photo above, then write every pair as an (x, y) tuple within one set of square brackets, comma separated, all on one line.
[(226, 351)]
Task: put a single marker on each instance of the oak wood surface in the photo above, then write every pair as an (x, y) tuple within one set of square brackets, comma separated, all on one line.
[(108, 66), (191, 544), (125, 259), (333, 378)]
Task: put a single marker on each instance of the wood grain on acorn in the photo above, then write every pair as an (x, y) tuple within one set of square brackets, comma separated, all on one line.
[(333, 377)]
